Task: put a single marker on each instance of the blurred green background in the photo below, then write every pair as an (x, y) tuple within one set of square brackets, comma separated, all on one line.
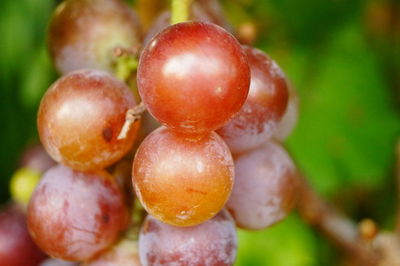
[(342, 56)]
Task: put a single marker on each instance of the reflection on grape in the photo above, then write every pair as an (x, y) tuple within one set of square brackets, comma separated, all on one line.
[(73, 215), (265, 187), (182, 181), (211, 243)]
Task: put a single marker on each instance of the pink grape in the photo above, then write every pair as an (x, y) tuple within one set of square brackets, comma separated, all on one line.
[(265, 187), (265, 105), (211, 243), (74, 215)]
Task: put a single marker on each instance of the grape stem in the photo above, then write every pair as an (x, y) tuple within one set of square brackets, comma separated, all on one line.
[(126, 62), (132, 115), (180, 11)]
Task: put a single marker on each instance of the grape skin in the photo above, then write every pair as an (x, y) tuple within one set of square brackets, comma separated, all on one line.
[(289, 119), (265, 187), (83, 33), (81, 116), (74, 215), (193, 77), (211, 243), (56, 262), (264, 107), (125, 253), (181, 181), (16, 245)]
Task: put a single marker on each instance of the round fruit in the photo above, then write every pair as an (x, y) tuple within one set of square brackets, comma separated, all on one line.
[(81, 116), (83, 33), (73, 215), (211, 243), (265, 105), (181, 181), (193, 77), (265, 187)]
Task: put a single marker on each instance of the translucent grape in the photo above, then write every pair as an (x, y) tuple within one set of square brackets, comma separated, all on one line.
[(74, 215), (182, 181), (83, 33), (211, 243), (264, 107), (193, 77), (81, 116), (265, 187), (16, 245)]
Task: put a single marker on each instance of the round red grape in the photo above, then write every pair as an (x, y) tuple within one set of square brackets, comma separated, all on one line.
[(74, 215), (211, 243), (182, 181), (265, 105), (265, 187), (193, 77), (16, 245), (81, 116), (83, 33)]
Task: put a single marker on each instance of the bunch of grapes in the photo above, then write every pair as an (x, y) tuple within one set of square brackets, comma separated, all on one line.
[(206, 159)]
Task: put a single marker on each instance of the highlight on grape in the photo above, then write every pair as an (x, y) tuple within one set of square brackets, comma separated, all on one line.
[(119, 186)]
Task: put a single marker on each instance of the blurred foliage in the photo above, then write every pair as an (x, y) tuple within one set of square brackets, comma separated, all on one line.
[(343, 57)]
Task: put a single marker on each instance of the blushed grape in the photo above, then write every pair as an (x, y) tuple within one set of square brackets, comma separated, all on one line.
[(74, 215), (36, 158), (289, 119), (265, 187), (16, 245), (265, 105), (81, 116), (83, 33), (211, 243), (182, 181), (193, 77)]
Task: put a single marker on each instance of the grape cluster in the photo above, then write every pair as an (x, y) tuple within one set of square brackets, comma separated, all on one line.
[(209, 162)]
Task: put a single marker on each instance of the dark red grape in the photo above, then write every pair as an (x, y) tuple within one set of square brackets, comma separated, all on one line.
[(83, 33), (16, 245), (211, 243), (265, 187), (193, 77), (265, 105), (74, 215), (81, 116), (182, 181)]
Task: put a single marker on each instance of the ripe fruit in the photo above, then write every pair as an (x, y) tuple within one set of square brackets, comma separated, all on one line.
[(211, 243), (265, 105), (193, 77), (16, 245), (265, 187), (73, 215), (81, 116), (289, 119), (83, 33), (182, 181)]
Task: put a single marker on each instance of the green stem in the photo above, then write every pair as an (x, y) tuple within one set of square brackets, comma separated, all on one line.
[(180, 11), (125, 66)]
